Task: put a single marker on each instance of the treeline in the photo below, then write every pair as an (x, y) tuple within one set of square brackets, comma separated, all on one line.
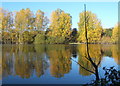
[(25, 27)]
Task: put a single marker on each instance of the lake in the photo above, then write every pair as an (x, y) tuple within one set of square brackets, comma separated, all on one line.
[(52, 64)]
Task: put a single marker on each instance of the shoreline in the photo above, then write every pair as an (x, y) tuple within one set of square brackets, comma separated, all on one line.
[(63, 43), (93, 43)]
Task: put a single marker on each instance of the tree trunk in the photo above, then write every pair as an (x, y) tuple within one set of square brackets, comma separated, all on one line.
[(97, 74)]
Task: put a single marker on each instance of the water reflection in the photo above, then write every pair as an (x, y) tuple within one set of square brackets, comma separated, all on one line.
[(59, 57), (25, 60), (96, 54), (22, 60)]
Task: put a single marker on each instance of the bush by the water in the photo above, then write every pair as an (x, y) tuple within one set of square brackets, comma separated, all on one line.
[(55, 40), (111, 78), (40, 39)]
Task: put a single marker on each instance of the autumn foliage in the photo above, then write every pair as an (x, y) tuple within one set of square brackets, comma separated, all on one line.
[(26, 27)]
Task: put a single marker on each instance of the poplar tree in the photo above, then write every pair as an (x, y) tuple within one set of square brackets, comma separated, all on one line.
[(60, 27), (23, 22), (94, 28), (115, 34)]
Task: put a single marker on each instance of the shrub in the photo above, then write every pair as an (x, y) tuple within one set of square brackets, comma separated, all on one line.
[(55, 40), (40, 39)]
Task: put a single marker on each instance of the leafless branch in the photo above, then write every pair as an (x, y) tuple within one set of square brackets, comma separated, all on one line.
[(83, 67)]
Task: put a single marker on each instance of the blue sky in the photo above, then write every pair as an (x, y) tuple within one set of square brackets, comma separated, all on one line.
[(107, 12)]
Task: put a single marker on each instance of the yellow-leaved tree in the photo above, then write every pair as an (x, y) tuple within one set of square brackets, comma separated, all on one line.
[(24, 22), (6, 22), (115, 34), (60, 27), (94, 28), (41, 24)]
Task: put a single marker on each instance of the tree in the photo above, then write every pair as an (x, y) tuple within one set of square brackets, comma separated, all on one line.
[(40, 39), (88, 56), (23, 21), (107, 32), (106, 36), (13, 36), (6, 23), (115, 34), (94, 28), (60, 27), (27, 38), (6, 19), (74, 35), (41, 21)]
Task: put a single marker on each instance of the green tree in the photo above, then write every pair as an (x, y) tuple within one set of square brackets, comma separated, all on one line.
[(40, 39), (27, 38), (107, 32), (41, 22), (94, 28), (74, 35)]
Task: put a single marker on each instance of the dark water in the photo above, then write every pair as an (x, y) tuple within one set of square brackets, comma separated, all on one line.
[(51, 64)]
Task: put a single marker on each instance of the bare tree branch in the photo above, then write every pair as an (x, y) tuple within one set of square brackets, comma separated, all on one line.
[(99, 61), (83, 67)]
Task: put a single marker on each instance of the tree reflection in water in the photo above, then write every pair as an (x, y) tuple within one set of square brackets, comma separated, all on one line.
[(22, 60), (94, 51), (25, 60)]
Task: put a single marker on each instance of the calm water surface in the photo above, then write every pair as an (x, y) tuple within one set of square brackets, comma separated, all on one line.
[(51, 64)]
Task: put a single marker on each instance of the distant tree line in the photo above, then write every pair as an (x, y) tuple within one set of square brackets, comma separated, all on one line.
[(25, 27)]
